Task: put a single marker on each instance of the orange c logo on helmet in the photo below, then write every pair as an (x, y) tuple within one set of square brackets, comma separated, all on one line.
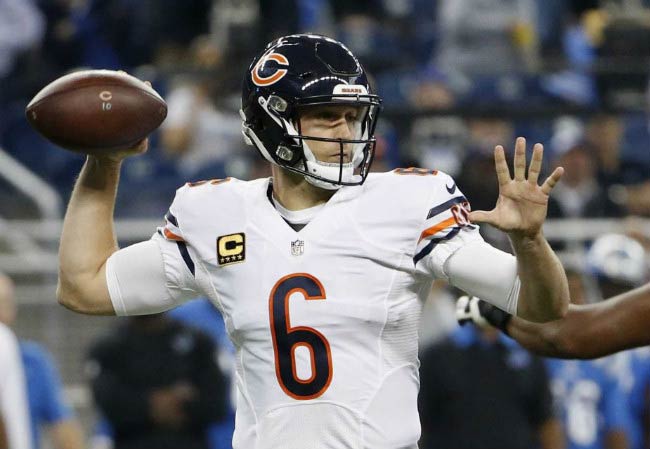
[(276, 76)]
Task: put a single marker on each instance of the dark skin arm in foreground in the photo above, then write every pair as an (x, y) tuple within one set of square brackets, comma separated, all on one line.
[(590, 330)]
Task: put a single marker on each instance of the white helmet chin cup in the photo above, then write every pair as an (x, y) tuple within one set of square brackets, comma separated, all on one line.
[(331, 172)]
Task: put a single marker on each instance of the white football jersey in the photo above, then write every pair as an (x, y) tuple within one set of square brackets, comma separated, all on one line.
[(325, 320)]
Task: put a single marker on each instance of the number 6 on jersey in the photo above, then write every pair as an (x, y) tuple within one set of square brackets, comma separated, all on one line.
[(286, 339)]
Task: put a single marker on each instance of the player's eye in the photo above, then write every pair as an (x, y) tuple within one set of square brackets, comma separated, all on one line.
[(330, 116), (352, 116)]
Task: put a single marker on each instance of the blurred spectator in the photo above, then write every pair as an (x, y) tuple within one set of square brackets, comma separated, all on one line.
[(59, 51), (574, 82), (475, 179), (158, 384), (605, 132), (14, 411), (579, 194), (438, 142), (431, 91), (47, 405), (624, 42), (201, 314), (621, 171), (481, 390), (278, 18), (128, 33), (21, 28), (469, 27), (315, 16), (199, 136), (363, 26)]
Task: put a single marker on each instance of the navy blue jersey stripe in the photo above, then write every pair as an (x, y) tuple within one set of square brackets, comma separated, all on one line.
[(432, 244), (446, 205), (182, 247), (170, 218)]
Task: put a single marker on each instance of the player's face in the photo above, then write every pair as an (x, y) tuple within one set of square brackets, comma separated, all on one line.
[(332, 122)]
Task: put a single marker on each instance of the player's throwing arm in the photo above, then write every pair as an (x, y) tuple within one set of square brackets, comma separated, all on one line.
[(106, 115)]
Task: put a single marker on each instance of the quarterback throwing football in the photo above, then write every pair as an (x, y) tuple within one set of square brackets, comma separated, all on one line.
[(320, 271)]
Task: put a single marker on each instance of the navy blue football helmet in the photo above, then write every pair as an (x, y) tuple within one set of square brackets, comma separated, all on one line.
[(308, 70)]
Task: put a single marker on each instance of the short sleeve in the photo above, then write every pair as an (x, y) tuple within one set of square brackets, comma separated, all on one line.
[(153, 276)]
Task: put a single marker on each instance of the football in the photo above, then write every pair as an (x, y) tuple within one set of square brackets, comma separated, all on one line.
[(96, 111)]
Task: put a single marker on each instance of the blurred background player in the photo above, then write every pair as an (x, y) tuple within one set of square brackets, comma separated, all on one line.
[(199, 314), (619, 263), (489, 390), (15, 431), (612, 406), (158, 384), (591, 401), (48, 409)]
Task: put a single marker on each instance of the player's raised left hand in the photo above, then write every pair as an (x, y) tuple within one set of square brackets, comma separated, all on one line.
[(521, 208)]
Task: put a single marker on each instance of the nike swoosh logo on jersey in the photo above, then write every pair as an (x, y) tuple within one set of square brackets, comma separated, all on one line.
[(451, 189)]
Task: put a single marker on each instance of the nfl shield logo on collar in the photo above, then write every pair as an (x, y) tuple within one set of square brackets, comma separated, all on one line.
[(297, 248)]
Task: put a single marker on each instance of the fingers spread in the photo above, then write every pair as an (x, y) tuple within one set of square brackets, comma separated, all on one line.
[(520, 159), (552, 180), (536, 163), (503, 173)]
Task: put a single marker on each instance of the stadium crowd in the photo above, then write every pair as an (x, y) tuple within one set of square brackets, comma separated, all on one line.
[(456, 77)]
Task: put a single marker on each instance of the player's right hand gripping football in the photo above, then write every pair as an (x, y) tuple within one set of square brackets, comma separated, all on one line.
[(139, 148), (117, 156), (521, 208)]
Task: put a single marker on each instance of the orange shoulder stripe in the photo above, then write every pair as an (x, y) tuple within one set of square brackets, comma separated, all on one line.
[(171, 236), (437, 227)]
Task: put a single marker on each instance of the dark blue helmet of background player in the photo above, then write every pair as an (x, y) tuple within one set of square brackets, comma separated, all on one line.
[(307, 70)]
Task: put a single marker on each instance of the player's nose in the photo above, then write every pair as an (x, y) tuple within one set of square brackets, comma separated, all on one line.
[(344, 130)]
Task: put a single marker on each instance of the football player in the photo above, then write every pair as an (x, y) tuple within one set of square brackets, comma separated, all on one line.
[(14, 406), (320, 270), (588, 330)]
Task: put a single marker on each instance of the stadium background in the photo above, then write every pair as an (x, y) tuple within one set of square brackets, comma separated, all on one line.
[(456, 78)]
